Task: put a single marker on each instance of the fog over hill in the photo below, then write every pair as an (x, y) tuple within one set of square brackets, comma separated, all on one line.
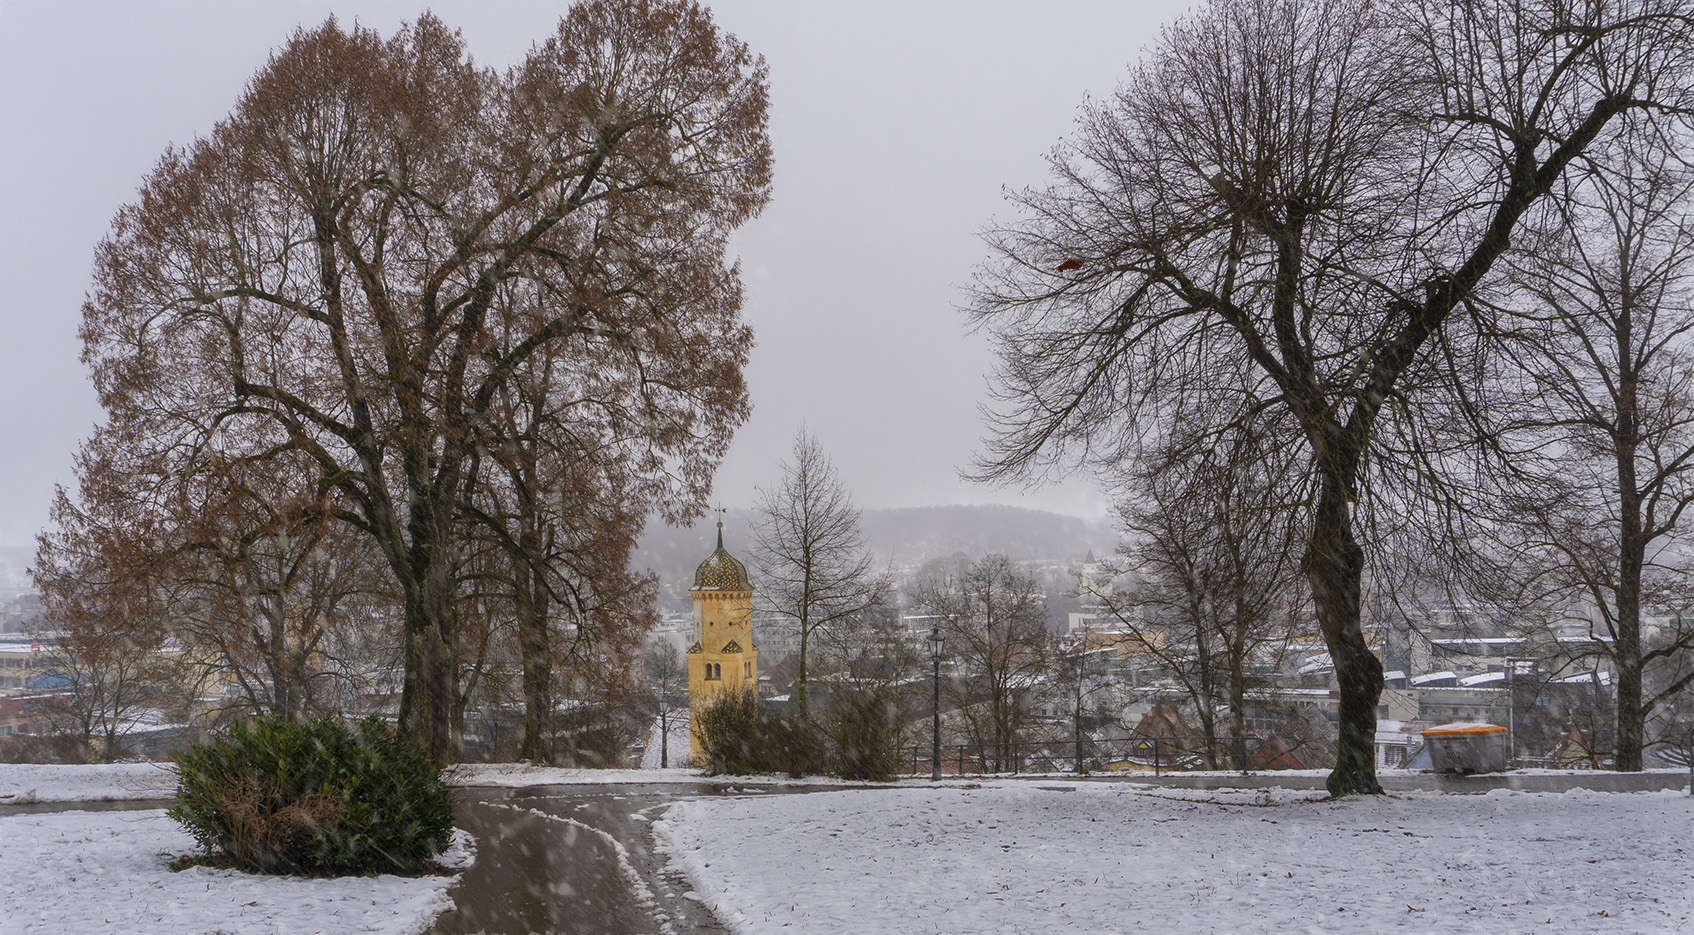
[(903, 537), (909, 537), (14, 571)]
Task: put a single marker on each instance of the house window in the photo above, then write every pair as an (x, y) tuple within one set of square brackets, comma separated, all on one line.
[(714, 672)]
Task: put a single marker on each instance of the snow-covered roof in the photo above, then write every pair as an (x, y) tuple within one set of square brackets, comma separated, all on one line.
[(1605, 678), (1486, 678), (1317, 664), (1433, 677)]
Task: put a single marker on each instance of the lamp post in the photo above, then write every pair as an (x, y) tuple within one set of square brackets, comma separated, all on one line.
[(1511, 712), (935, 639)]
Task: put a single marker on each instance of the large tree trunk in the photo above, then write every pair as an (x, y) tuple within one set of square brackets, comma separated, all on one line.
[(1626, 656), (1335, 568), (1632, 552), (537, 665), (426, 697), (1205, 706), (1238, 705), (800, 680)]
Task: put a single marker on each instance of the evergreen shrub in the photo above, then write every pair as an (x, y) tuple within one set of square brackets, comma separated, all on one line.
[(316, 798), (738, 737), (864, 733)]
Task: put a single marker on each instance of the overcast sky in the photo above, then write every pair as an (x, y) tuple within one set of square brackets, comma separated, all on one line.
[(896, 128)]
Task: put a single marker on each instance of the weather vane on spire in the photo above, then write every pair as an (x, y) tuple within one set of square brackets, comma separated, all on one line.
[(721, 514)]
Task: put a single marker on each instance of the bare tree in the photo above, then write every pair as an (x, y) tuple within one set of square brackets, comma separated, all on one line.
[(667, 685), (1212, 538), (1598, 436), (246, 569), (1671, 729), (1084, 689), (1295, 205), (323, 272), (878, 686), (995, 623), (809, 552)]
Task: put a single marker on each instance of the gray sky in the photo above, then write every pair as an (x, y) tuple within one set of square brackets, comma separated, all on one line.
[(896, 126)]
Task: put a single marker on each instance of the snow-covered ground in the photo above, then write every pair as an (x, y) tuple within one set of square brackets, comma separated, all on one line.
[(1061, 856), (90, 872), (108, 871), (520, 775), (22, 783)]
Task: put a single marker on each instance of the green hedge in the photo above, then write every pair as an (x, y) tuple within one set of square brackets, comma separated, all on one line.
[(864, 732), (857, 737), (315, 798), (738, 737)]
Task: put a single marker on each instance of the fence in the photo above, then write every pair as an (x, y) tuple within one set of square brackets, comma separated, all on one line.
[(1153, 754)]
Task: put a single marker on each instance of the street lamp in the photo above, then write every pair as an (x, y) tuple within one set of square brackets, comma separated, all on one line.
[(935, 639), (1511, 711)]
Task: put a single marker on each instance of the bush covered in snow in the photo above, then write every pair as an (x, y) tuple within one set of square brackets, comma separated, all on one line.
[(314, 798)]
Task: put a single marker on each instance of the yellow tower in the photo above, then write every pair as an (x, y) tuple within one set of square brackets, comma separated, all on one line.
[(723, 657)]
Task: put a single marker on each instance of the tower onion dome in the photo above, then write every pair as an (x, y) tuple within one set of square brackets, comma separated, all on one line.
[(721, 571)]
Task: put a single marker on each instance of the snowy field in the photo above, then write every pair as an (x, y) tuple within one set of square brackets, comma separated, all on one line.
[(24, 783), (88, 872), (1081, 857)]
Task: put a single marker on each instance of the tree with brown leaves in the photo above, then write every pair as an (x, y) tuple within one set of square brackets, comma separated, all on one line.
[(322, 273)]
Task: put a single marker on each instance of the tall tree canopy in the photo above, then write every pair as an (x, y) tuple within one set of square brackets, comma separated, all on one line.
[(358, 260), (810, 552), (1595, 423), (1297, 205)]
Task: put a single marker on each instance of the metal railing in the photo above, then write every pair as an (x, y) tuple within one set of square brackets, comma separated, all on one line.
[(1156, 755)]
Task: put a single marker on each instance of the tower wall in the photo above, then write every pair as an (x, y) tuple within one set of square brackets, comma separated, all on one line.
[(723, 657)]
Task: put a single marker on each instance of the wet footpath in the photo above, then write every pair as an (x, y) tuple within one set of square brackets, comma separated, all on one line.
[(562, 860)]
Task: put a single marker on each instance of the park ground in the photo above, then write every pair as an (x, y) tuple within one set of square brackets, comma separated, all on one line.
[(1028, 855)]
